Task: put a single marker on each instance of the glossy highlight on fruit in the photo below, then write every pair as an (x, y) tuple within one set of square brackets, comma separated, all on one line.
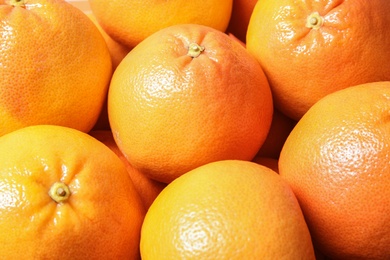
[(65, 195), (336, 160), (55, 66), (309, 49), (226, 210), (188, 95)]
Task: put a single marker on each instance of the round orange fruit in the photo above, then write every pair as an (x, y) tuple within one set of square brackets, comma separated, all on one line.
[(336, 160), (188, 95), (65, 195), (309, 49), (55, 67), (226, 210), (130, 22)]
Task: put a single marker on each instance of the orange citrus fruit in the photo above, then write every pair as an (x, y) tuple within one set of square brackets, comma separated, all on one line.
[(117, 50), (147, 188), (336, 160), (239, 20), (309, 49), (188, 95), (130, 22), (64, 195), (55, 67), (226, 210)]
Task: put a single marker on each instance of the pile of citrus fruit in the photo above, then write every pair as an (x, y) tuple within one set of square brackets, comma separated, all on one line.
[(222, 129)]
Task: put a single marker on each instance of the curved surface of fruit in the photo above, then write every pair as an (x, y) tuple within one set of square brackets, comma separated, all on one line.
[(172, 110), (226, 210), (147, 188), (309, 49), (130, 22), (54, 66), (117, 51), (336, 159), (269, 162), (64, 195)]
